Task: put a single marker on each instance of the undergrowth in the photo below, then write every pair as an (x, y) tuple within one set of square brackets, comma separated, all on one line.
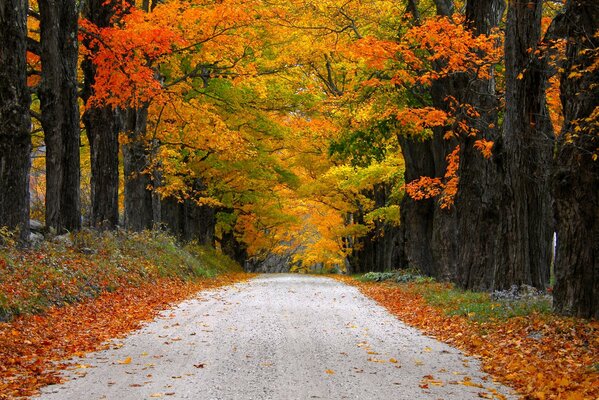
[(54, 274), (476, 306)]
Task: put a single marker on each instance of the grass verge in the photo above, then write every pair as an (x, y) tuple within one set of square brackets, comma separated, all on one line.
[(59, 301), (521, 343)]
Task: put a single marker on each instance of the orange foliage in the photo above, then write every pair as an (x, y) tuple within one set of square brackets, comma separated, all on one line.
[(31, 346), (440, 41), (446, 189), (542, 357), (485, 146)]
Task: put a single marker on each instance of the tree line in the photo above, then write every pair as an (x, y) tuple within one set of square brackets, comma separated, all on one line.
[(455, 164)]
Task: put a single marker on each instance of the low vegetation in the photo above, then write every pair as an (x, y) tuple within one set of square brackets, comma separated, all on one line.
[(81, 266), (514, 332), (69, 296)]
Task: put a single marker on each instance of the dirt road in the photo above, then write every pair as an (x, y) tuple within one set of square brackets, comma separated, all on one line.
[(277, 337)]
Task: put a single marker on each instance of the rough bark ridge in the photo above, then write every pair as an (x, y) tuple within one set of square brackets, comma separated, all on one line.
[(102, 128), (416, 216), (528, 139), (478, 200), (576, 175), (60, 112), (15, 121), (139, 211), (428, 234)]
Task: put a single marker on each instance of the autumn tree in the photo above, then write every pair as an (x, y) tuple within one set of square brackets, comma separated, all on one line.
[(528, 141), (102, 125), (576, 173), (15, 122), (60, 112), (478, 199)]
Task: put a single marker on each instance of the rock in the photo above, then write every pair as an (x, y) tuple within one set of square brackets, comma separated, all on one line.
[(35, 238), (63, 239), (35, 225), (87, 250)]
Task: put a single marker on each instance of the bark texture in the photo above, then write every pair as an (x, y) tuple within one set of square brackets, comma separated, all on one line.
[(478, 200), (528, 142), (576, 175), (139, 211), (60, 112), (416, 216), (15, 121), (102, 127), (188, 221)]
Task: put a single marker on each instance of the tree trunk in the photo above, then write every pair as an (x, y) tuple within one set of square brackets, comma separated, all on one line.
[(478, 199), (416, 216), (60, 112), (379, 249), (233, 248), (102, 127), (528, 141), (139, 213), (428, 237), (576, 175), (15, 121)]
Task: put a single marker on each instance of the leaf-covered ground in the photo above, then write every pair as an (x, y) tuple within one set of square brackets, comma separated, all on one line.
[(34, 348), (63, 298), (541, 355)]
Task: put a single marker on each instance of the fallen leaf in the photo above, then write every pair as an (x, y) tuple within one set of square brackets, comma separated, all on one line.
[(125, 361)]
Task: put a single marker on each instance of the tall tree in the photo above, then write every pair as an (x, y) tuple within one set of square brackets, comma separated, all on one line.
[(576, 175), (102, 128), (419, 217), (15, 121), (528, 142), (478, 199), (60, 112)]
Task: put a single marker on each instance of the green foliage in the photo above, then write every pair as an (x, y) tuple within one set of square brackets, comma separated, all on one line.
[(399, 276), (365, 146), (55, 274)]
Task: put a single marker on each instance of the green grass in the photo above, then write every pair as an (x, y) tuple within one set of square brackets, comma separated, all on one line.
[(476, 306), (54, 274), (479, 306)]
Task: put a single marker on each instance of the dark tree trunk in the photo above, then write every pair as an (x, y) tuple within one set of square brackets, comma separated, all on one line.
[(478, 199), (528, 141), (379, 249), (444, 238), (232, 247), (187, 220), (60, 112), (576, 175), (102, 127), (15, 121), (139, 211), (430, 241), (416, 216), (200, 223)]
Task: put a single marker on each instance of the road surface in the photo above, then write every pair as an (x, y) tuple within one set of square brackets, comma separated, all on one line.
[(277, 337)]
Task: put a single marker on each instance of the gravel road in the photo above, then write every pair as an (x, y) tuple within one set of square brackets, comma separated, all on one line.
[(277, 337)]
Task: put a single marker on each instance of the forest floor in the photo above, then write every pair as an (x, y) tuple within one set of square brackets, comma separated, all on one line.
[(63, 298), (520, 343), (277, 337)]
